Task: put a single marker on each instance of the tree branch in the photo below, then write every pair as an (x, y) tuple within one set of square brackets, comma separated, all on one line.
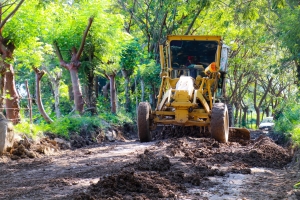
[(192, 23), (58, 54), (84, 38), (11, 14)]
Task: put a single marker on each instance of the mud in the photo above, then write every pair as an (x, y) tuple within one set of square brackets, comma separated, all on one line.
[(188, 167)]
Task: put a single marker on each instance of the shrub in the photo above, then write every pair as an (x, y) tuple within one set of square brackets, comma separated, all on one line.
[(288, 122)]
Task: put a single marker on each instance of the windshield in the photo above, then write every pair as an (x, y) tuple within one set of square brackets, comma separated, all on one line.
[(198, 52)]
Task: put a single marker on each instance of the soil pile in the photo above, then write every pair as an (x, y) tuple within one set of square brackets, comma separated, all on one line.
[(131, 185), (29, 149), (150, 162), (262, 152), (268, 153)]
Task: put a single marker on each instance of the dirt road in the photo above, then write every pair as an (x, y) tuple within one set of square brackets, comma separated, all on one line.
[(174, 168)]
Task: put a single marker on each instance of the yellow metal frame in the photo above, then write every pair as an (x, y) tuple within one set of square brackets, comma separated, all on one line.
[(184, 111)]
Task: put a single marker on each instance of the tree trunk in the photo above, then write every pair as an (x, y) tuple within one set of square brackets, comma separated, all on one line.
[(55, 82), (78, 98), (244, 118), (257, 115), (96, 83), (38, 76), (113, 100), (240, 118), (105, 90), (12, 102), (71, 93), (91, 94), (153, 95), (127, 94), (91, 86), (29, 101), (56, 98), (136, 94), (2, 93), (267, 111), (143, 90), (236, 113)]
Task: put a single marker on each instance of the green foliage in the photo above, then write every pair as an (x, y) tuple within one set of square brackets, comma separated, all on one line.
[(131, 55), (288, 30), (103, 105), (297, 185), (63, 126), (288, 121), (73, 124), (119, 118), (23, 26), (30, 130)]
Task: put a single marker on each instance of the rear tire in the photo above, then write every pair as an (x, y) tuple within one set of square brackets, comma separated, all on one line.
[(143, 122), (219, 124)]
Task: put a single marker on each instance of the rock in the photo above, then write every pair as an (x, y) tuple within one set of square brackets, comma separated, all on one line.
[(111, 136), (53, 142), (63, 144), (42, 149), (6, 134), (30, 154)]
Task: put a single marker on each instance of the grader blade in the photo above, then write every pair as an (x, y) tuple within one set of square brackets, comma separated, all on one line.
[(238, 134)]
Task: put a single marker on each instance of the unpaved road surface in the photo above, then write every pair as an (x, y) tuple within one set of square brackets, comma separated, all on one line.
[(173, 168)]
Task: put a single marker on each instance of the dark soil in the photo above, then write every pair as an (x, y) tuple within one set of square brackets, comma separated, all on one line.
[(182, 163), (193, 166)]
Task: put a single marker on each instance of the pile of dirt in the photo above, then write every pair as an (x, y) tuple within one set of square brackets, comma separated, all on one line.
[(95, 135), (240, 168), (131, 185), (268, 153), (262, 152), (51, 143), (32, 149), (150, 162)]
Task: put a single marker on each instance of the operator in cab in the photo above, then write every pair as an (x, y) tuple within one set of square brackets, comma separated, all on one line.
[(193, 66)]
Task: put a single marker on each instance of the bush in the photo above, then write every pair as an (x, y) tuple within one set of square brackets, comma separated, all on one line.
[(288, 121), (67, 124), (30, 130)]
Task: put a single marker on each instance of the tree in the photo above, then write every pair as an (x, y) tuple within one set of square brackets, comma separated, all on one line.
[(102, 46), (287, 30), (73, 68), (157, 18), (38, 76), (130, 59), (7, 48)]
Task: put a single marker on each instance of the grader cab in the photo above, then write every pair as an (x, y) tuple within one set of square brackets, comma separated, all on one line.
[(192, 90)]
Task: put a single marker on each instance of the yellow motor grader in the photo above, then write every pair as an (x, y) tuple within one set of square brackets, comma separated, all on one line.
[(193, 70)]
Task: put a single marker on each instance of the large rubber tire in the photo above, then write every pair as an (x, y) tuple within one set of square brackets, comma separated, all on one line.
[(143, 122), (219, 124)]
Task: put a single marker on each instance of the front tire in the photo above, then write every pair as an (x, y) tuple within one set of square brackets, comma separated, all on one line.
[(143, 122), (219, 122)]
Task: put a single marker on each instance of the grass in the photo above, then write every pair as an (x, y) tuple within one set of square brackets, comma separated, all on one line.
[(67, 124)]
